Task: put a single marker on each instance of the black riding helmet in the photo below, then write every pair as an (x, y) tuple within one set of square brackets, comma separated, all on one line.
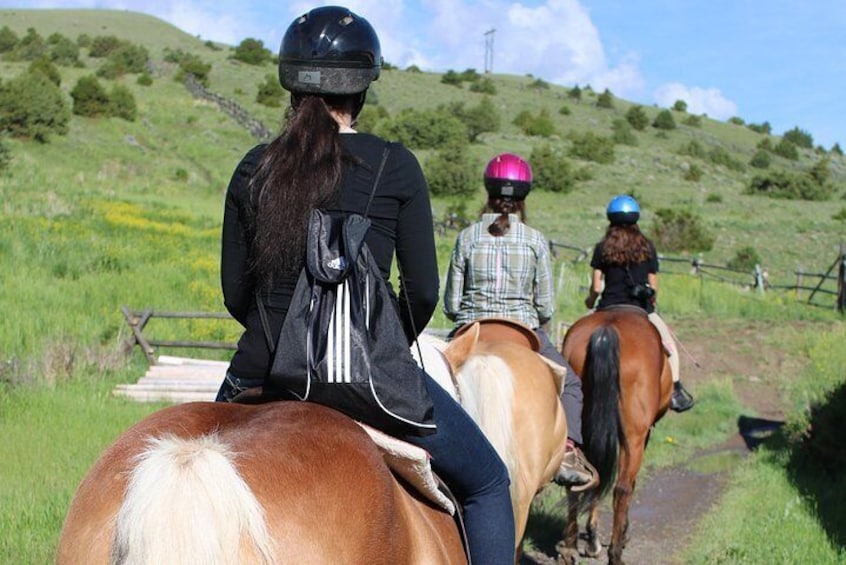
[(329, 50)]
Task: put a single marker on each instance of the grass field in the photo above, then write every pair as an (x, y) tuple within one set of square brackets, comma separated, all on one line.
[(128, 213)]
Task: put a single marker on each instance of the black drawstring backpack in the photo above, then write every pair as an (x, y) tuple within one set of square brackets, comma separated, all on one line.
[(342, 343)]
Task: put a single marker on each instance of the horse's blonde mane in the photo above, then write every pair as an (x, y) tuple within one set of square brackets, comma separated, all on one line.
[(486, 386), (186, 503)]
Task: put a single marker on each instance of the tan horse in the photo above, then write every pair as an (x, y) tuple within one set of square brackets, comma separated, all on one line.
[(627, 385), (290, 482)]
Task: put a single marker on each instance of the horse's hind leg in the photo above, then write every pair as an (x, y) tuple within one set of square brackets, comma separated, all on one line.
[(630, 461), (593, 546), (569, 550)]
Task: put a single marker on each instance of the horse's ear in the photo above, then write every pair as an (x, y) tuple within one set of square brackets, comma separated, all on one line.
[(461, 347)]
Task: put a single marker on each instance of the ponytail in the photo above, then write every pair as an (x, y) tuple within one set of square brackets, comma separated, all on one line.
[(504, 207)]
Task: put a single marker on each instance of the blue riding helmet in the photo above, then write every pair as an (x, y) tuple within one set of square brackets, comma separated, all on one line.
[(623, 210)]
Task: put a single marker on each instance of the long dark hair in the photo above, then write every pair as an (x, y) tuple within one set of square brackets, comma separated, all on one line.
[(503, 207), (299, 171), (625, 245)]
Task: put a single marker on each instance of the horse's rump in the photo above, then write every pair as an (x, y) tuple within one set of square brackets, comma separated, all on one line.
[(271, 483)]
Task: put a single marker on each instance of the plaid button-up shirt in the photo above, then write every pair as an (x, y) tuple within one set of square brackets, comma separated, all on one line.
[(508, 276)]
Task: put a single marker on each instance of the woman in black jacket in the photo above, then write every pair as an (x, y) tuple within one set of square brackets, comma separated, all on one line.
[(327, 61)]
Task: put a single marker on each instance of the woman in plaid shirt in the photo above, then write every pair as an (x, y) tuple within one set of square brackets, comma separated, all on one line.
[(500, 267)]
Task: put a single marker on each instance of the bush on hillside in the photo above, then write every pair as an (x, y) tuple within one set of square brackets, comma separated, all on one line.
[(786, 149), (761, 160), (5, 156), (44, 65), (452, 78), (424, 129), (664, 121), (32, 106), (680, 230), (369, 117), (637, 117), (623, 133), (799, 138), (736, 120), (481, 118), (835, 149), (104, 45), (722, 157), (122, 103), (483, 86), (605, 100), (789, 186), (190, 64), (252, 52), (30, 47), (539, 125), (126, 58), (552, 171), (144, 79), (591, 147), (693, 121), (539, 85), (575, 93), (693, 173), (764, 128), (90, 99), (270, 92), (8, 39), (745, 259), (693, 149), (64, 51), (83, 40), (450, 172), (680, 106)]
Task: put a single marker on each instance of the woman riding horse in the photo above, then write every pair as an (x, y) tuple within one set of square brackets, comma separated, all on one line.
[(500, 267)]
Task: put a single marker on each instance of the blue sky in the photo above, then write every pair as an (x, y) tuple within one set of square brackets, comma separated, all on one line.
[(781, 61)]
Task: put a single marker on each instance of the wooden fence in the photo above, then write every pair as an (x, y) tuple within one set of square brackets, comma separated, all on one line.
[(758, 278)]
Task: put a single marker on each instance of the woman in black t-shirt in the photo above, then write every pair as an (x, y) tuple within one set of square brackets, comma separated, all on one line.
[(625, 271)]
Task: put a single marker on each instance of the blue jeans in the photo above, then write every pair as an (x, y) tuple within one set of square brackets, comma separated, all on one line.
[(467, 462)]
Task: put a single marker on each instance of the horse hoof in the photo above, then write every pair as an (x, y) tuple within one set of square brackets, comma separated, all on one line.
[(593, 548), (566, 556)]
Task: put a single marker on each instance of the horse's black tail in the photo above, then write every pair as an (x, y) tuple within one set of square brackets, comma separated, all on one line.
[(601, 384)]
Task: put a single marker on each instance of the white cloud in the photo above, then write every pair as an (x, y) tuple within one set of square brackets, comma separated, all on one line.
[(699, 100)]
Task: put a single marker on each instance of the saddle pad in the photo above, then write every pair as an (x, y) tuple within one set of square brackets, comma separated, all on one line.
[(412, 464)]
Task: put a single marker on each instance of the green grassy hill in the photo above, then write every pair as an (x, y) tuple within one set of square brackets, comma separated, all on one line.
[(119, 212)]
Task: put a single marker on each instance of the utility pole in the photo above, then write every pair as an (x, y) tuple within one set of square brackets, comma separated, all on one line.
[(489, 42)]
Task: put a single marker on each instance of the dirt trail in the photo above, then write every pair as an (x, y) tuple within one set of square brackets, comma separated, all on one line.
[(669, 503)]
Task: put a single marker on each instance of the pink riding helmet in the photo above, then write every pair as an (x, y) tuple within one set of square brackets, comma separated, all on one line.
[(508, 176)]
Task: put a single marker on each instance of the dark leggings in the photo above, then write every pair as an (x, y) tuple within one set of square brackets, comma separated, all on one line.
[(571, 397), (466, 461)]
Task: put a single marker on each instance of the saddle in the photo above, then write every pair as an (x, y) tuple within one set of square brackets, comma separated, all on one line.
[(503, 329), (624, 308)]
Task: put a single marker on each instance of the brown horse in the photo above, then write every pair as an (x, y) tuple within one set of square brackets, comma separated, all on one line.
[(290, 482), (627, 386)]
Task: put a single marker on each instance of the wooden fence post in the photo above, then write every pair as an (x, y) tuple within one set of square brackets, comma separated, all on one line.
[(799, 282), (759, 278)]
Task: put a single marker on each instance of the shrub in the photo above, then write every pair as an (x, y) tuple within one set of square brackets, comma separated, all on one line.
[(693, 149), (761, 160), (470, 75), (736, 120), (5, 156), (32, 106), (270, 92), (789, 186), (450, 172), (122, 103), (765, 144), (483, 86), (745, 259), (129, 58), (680, 106), (193, 65), (664, 121), (252, 52), (551, 171), (537, 125), (820, 172), (605, 100), (575, 93), (799, 138), (478, 119), (90, 98), (693, 121), (451, 77), (623, 133), (764, 128), (8, 39), (539, 84), (413, 69), (722, 157), (786, 149), (840, 216), (424, 129), (64, 52), (144, 79), (591, 147), (636, 116), (369, 117), (714, 198), (30, 47), (836, 149), (83, 40), (680, 230), (104, 45), (564, 110), (45, 66), (693, 173)]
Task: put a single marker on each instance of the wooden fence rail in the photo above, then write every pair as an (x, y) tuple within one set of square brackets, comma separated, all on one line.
[(137, 322)]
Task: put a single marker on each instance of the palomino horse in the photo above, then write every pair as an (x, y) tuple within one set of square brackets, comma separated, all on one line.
[(291, 482), (627, 387)]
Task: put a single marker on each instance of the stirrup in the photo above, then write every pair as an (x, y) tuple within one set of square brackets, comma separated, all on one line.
[(681, 400), (576, 473)]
